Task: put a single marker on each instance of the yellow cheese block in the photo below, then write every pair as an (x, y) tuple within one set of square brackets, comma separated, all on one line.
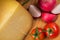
[(15, 21), (7, 0)]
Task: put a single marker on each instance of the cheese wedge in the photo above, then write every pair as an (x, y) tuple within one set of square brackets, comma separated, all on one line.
[(15, 21)]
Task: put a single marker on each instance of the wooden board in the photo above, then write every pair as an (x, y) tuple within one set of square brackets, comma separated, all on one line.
[(42, 24)]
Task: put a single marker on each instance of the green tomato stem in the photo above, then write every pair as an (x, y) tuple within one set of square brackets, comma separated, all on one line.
[(50, 31), (25, 2)]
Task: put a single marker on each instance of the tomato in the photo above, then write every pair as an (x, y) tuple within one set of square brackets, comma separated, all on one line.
[(52, 30), (37, 34)]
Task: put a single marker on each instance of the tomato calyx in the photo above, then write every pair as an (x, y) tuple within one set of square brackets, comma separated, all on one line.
[(36, 35), (50, 31)]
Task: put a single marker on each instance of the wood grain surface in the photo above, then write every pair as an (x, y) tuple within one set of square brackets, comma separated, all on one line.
[(42, 24)]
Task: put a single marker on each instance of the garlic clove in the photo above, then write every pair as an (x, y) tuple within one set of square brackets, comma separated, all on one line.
[(56, 10), (35, 12)]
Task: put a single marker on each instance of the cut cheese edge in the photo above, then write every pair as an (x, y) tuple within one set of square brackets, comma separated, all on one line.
[(15, 23)]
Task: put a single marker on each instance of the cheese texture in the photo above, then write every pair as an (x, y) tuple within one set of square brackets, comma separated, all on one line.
[(15, 21), (7, 0)]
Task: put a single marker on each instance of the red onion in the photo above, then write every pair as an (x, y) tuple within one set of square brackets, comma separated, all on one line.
[(46, 5), (48, 17)]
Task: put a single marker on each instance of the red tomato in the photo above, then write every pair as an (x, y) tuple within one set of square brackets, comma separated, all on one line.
[(52, 30), (37, 34)]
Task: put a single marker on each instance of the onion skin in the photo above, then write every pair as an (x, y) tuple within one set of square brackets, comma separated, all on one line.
[(48, 17), (46, 5)]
